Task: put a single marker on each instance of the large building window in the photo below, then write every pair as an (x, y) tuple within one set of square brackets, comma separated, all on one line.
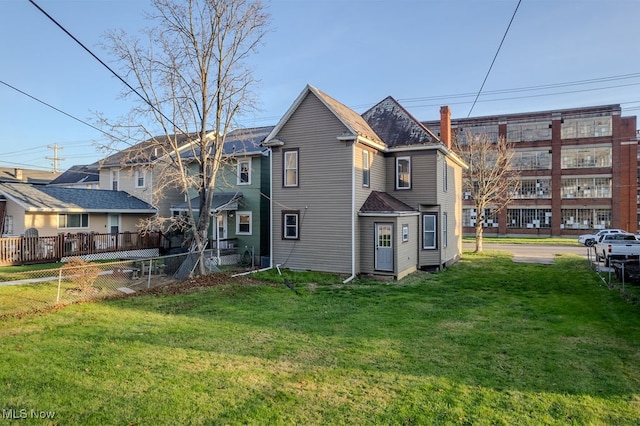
[(539, 159), (290, 168), (489, 130), (73, 220), (403, 173), (529, 218), (592, 187), (489, 218), (585, 218), (533, 189), (586, 157), (528, 131), (586, 127)]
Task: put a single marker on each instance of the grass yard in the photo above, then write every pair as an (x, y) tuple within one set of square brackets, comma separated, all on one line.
[(487, 341)]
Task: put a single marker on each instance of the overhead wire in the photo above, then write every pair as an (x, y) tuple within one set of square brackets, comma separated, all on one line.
[(145, 99), (494, 58)]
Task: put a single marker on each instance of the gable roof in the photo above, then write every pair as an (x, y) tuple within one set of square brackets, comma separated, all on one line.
[(396, 126), (150, 150), (36, 198), (245, 141), (17, 174), (78, 174), (355, 124), (381, 202), (221, 201)]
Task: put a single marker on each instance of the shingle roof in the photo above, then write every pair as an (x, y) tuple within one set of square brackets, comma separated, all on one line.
[(149, 150), (221, 201), (78, 174), (17, 174), (240, 141), (60, 199), (381, 202), (396, 126)]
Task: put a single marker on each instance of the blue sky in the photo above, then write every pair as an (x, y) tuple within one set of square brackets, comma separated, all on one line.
[(425, 53)]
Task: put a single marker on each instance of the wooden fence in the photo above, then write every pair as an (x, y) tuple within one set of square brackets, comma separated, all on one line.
[(25, 250)]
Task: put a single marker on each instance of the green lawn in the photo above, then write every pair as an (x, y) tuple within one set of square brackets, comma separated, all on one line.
[(487, 341)]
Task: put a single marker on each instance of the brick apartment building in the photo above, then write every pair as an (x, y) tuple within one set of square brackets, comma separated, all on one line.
[(578, 171)]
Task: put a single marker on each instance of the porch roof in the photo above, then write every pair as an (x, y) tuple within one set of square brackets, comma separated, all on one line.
[(381, 202), (222, 201)]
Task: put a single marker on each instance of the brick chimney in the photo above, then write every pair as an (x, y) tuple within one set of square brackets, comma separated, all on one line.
[(445, 126)]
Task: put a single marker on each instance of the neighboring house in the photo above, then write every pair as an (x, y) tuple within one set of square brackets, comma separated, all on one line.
[(578, 171), (19, 175), (371, 194), (53, 210), (240, 203), (140, 171), (79, 176)]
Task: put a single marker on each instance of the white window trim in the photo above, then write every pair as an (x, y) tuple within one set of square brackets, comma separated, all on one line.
[(296, 168), (239, 171), (244, 213), (140, 173), (435, 234), (398, 159), (284, 226), (366, 169), (405, 233)]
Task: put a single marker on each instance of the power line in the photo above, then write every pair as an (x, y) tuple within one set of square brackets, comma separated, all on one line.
[(494, 58), (106, 66)]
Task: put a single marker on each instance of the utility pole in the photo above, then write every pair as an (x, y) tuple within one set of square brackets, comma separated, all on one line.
[(55, 157)]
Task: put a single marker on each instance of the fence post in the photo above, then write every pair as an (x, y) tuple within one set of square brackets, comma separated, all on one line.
[(59, 284), (149, 273)]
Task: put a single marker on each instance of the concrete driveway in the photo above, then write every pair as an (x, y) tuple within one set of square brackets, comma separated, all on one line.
[(534, 253)]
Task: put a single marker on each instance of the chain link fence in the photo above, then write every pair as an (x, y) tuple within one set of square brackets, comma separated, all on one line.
[(25, 292)]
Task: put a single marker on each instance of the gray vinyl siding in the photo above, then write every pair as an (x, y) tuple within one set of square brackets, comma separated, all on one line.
[(323, 196), (424, 178), (407, 251), (451, 202)]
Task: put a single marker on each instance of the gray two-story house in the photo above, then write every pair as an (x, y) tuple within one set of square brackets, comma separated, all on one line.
[(353, 194)]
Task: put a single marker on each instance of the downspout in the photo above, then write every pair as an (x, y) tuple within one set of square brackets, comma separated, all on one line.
[(353, 206), (270, 208)]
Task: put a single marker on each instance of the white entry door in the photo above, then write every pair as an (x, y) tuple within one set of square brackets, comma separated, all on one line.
[(222, 229), (384, 247)]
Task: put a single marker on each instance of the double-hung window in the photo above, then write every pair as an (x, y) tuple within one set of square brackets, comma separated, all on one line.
[(243, 223), (115, 177), (403, 173), (140, 177), (291, 225), (429, 231), (244, 172), (365, 168), (290, 169)]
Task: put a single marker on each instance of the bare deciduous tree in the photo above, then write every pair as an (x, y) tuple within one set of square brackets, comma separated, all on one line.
[(192, 74), (490, 179)]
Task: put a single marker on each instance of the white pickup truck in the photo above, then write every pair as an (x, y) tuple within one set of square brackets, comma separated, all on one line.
[(617, 247)]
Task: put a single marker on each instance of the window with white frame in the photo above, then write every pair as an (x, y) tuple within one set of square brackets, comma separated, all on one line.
[(445, 230), (429, 231), (445, 176), (243, 223), (115, 178), (8, 225), (244, 171), (403, 173), (290, 169), (140, 178), (405, 233), (73, 220), (291, 225), (365, 168)]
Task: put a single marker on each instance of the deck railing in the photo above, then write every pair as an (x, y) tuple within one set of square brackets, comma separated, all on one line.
[(24, 250)]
